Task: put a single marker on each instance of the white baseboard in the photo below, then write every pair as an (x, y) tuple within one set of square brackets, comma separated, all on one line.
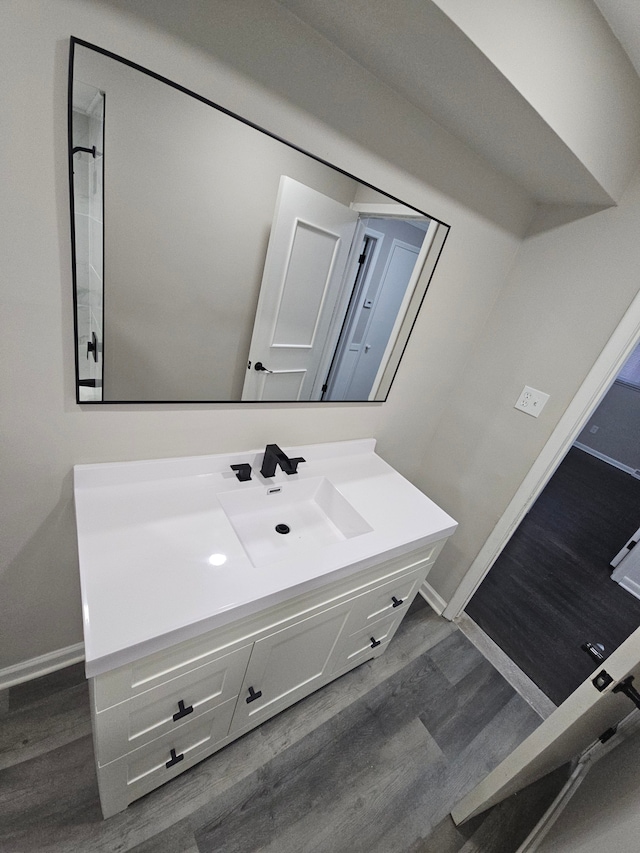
[(633, 471), (42, 665), (433, 598)]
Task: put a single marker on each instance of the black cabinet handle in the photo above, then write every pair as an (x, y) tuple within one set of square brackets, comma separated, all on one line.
[(253, 695), (397, 601), (174, 759), (374, 642), (182, 711)]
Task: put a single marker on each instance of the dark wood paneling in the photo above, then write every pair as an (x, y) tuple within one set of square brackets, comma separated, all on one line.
[(551, 589)]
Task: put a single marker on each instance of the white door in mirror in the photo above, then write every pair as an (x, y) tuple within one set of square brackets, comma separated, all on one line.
[(301, 284)]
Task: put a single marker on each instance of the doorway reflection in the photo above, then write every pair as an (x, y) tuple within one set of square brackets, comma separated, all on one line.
[(88, 145), (387, 263)]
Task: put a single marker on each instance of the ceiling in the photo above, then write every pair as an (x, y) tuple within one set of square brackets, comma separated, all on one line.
[(623, 17), (414, 49)]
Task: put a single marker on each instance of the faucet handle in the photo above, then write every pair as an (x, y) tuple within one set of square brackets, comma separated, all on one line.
[(243, 471), (292, 467)]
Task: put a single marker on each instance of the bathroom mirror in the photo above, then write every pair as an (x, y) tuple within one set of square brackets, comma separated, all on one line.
[(214, 262)]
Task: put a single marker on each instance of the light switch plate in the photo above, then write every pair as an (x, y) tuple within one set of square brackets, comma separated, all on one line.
[(531, 401)]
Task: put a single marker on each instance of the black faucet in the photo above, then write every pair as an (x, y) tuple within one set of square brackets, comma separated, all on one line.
[(273, 457)]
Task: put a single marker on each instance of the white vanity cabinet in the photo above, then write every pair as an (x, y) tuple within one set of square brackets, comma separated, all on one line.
[(210, 604), (159, 715)]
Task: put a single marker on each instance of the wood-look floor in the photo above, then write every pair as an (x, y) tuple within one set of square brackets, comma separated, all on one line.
[(373, 762), (550, 590)]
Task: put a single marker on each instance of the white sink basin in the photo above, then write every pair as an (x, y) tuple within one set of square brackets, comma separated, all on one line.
[(171, 548), (306, 514)]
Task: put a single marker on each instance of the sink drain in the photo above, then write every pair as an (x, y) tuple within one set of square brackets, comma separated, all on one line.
[(282, 528)]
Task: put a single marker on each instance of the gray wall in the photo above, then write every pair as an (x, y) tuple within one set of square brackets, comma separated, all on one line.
[(549, 325)]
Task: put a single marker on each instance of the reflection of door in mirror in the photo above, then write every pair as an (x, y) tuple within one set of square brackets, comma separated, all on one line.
[(332, 290), (87, 159), (303, 273)]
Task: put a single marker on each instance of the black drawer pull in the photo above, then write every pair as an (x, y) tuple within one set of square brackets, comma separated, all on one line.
[(374, 642), (182, 712), (174, 759), (253, 695), (397, 601)]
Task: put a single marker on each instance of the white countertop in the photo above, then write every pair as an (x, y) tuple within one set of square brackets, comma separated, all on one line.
[(147, 530)]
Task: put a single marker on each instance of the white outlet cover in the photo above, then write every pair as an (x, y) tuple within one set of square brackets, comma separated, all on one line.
[(531, 401)]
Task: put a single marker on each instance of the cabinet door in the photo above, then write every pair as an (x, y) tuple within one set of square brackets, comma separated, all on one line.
[(288, 665)]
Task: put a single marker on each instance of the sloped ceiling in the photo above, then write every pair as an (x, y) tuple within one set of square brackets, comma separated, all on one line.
[(623, 17), (418, 51)]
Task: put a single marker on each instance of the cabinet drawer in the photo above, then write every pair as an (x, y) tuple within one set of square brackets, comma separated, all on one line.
[(149, 672), (395, 596), (366, 643), (139, 772), (147, 716)]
